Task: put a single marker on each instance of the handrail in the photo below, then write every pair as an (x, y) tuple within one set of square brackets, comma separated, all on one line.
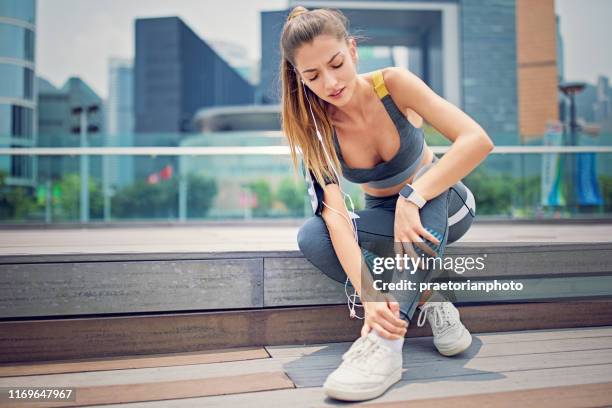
[(257, 150)]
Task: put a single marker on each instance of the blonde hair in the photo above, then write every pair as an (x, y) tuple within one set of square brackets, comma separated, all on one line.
[(302, 26)]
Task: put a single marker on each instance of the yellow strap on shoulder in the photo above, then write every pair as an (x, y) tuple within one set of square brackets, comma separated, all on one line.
[(379, 84)]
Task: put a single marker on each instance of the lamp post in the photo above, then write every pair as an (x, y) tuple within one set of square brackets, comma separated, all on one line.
[(84, 129), (571, 89)]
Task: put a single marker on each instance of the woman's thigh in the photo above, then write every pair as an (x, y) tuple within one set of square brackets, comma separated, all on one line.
[(373, 226)]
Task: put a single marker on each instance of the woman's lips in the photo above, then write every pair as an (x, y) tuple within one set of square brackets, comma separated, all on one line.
[(338, 94)]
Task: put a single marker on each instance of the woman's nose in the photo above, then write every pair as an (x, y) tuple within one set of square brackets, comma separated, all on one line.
[(331, 83)]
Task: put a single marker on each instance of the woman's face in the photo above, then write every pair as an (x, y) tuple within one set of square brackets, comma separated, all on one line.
[(327, 66)]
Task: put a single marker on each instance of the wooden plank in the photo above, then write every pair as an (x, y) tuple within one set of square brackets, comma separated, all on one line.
[(295, 282), (585, 395), (311, 371), (122, 363), (504, 344), (405, 390), (537, 259), (143, 256), (289, 282), (421, 364), (130, 283), (38, 340), (31, 290), (459, 248), (168, 390), (545, 335)]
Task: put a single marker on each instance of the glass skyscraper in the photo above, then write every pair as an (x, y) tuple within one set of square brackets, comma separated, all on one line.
[(17, 87)]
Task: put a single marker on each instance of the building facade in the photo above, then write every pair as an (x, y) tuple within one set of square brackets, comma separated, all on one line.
[(119, 117), (58, 127), (480, 55), (17, 88), (176, 73)]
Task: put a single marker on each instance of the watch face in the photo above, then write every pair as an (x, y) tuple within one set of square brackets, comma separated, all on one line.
[(406, 191)]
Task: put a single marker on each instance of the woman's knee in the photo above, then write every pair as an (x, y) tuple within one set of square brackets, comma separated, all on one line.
[(462, 210), (316, 246), (311, 235)]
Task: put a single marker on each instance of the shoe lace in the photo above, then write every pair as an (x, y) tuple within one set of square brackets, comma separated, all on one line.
[(356, 348), (440, 315), (369, 350)]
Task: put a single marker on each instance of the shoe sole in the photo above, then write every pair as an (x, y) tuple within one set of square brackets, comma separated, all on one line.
[(460, 346), (347, 395)]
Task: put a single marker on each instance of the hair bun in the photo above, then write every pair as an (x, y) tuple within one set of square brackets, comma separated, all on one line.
[(296, 12)]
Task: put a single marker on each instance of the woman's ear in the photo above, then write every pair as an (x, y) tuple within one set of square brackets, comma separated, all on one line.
[(353, 50)]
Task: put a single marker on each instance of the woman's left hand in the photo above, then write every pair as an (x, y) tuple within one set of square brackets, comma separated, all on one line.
[(408, 229)]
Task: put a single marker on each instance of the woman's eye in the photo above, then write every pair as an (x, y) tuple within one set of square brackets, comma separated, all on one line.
[(336, 67)]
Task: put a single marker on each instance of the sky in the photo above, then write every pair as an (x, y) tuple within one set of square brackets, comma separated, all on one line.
[(77, 37)]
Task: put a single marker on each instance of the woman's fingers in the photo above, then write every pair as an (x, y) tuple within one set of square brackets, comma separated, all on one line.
[(425, 248), (365, 329), (389, 321), (385, 333), (428, 236)]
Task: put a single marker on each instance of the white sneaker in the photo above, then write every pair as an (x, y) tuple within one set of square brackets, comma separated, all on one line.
[(450, 335), (368, 369)]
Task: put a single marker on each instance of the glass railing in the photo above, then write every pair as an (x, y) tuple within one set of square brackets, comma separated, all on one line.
[(229, 178)]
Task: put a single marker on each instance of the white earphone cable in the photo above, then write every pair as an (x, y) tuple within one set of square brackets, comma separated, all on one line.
[(351, 299)]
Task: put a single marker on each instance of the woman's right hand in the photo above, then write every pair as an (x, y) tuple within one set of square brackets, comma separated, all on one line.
[(383, 316)]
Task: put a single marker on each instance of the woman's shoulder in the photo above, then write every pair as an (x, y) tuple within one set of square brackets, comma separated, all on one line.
[(391, 77), (399, 82), (388, 73)]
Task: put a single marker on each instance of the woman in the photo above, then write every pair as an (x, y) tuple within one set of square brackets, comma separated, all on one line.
[(369, 126)]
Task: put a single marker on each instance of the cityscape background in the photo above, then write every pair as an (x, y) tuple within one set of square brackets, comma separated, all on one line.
[(204, 74)]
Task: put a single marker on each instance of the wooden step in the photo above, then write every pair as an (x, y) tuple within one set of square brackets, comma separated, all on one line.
[(109, 284), (52, 339)]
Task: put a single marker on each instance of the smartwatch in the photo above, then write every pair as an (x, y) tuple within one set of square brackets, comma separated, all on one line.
[(410, 194)]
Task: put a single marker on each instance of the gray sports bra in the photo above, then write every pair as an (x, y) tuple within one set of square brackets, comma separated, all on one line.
[(406, 160)]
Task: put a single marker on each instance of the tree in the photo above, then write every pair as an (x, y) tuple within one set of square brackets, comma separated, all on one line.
[(70, 200), (202, 190), (292, 195), (16, 202), (262, 190), (160, 200)]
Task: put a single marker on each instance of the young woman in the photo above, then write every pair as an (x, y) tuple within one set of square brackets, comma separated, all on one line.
[(369, 127)]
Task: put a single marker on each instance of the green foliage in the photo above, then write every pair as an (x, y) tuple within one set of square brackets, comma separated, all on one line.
[(492, 192), (16, 202), (202, 191), (263, 191), (70, 200), (160, 200), (605, 183), (292, 195)]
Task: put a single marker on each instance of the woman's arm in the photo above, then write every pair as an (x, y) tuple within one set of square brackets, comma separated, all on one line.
[(379, 316), (471, 144)]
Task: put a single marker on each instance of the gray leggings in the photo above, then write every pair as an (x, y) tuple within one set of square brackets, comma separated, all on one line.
[(450, 214)]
